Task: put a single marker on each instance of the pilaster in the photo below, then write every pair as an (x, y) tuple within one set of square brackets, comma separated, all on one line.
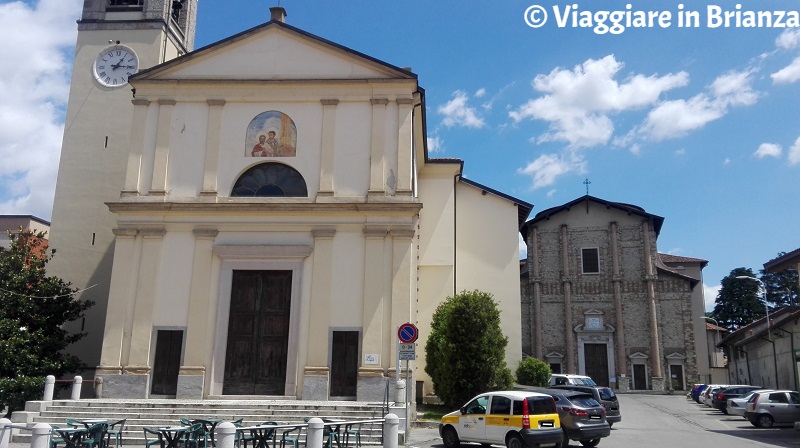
[(405, 146), (131, 187), (567, 286), (161, 160), (120, 295), (328, 149), (378, 147), (320, 297), (211, 162), (373, 338), (142, 329)]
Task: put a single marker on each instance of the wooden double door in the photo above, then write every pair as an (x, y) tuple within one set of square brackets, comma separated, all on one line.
[(258, 333), (596, 362)]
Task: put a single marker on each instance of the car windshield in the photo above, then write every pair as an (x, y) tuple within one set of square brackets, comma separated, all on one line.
[(584, 381), (606, 394)]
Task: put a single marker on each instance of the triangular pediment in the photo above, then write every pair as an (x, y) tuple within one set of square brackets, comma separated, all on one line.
[(274, 51), (638, 355), (676, 356)]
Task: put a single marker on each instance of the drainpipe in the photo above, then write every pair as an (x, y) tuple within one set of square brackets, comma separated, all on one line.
[(455, 240)]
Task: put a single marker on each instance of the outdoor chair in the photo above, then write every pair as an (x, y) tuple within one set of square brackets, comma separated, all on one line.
[(291, 436), (74, 423), (195, 436), (153, 437), (186, 422), (241, 437), (95, 436), (115, 430), (55, 437), (352, 429)]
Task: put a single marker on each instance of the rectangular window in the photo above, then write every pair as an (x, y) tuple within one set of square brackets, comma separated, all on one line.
[(125, 2), (555, 367), (590, 260)]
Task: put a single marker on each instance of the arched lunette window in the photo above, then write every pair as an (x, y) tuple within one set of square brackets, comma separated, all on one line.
[(270, 180)]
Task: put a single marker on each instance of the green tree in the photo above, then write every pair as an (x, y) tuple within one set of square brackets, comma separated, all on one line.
[(782, 288), (738, 302), (533, 372), (465, 352), (33, 310)]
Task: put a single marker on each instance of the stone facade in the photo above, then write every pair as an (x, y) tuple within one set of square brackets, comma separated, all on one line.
[(598, 300)]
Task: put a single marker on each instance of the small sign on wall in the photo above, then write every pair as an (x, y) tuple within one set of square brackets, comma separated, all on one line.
[(372, 359)]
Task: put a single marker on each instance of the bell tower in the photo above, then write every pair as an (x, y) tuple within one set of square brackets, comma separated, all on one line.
[(116, 38)]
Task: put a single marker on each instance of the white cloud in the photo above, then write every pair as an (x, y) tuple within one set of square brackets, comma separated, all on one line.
[(788, 74), (680, 152), (548, 167), (794, 153), (788, 39), (676, 118), (434, 144), (480, 93), (710, 296), (551, 193), (36, 48), (457, 113), (577, 102), (727, 161), (523, 248), (768, 150)]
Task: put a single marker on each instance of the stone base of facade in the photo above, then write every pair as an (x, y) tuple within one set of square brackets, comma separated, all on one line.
[(371, 384), (316, 383), (126, 385), (657, 383), (623, 384), (190, 387)]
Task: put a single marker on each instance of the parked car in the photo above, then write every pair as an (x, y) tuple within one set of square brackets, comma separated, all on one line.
[(709, 393), (516, 419), (605, 396), (697, 390), (765, 409), (720, 398), (737, 406), (583, 419), (559, 379)]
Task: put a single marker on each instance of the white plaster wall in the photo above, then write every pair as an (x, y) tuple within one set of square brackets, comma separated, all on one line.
[(488, 258), (347, 279), (436, 241), (353, 139), (187, 149), (174, 280)]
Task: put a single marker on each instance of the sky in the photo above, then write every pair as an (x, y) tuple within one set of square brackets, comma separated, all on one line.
[(688, 118)]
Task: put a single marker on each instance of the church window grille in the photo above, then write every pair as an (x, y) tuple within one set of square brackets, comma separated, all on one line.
[(590, 260), (270, 180)]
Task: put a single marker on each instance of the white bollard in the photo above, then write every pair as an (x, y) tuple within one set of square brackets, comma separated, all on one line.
[(5, 433), (40, 436), (49, 387), (400, 391), (76, 388), (314, 433), (225, 435), (390, 425)]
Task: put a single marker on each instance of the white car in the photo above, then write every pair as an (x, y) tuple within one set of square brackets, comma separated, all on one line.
[(737, 406), (561, 379)]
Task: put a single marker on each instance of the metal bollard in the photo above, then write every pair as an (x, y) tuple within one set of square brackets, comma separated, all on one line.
[(40, 436), (5, 433), (314, 433), (76, 388), (49, 387), (390, 425), (226, 435)]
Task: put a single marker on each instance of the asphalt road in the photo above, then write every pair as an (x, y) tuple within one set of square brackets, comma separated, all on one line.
[(667, 421)]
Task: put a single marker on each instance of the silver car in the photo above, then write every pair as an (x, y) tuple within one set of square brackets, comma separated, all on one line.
[(765, 409), (737, 406)]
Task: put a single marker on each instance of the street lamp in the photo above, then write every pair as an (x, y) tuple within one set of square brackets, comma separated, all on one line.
[(766, 306)]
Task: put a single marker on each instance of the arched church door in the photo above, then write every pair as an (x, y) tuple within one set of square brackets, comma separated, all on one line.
[(258, 333)]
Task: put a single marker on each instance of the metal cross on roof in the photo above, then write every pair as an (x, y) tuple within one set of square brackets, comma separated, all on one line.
[(587, 183)]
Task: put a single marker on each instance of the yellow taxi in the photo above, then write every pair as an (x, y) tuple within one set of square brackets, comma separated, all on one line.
[(516, 419)]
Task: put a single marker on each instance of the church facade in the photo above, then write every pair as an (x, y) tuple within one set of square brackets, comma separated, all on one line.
[(598, 299), (276, 218)]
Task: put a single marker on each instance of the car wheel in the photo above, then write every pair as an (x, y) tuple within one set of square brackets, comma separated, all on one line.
[(564, 440), (724, 411), (764, 421), (450, 438), (590, 443), (515, 441)]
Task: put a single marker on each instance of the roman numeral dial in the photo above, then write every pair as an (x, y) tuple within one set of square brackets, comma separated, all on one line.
[(114, 65)]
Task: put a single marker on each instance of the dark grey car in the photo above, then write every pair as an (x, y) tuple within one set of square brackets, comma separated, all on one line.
[(605, 396), (583, 419)]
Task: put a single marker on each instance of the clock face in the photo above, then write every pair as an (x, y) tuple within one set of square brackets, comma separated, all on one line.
[(114, 65)]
